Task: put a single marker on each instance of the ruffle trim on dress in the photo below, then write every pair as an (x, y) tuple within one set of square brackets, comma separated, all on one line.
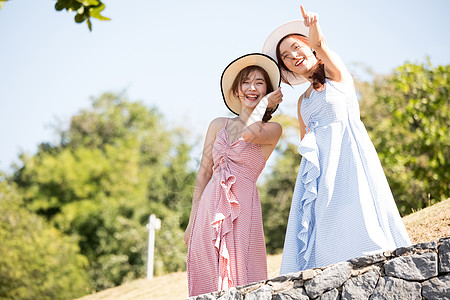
[(228, 210), (310, 173)]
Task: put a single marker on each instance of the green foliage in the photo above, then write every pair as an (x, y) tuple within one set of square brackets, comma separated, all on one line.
[(85, 9), (172, 183), (114, 166), (276, 192), (170, 247), (122, 244), (36, 261), (276, 197), (408, 115)]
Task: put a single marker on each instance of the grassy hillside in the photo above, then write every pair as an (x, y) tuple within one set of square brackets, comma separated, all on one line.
[(430, 223), (425, 225)]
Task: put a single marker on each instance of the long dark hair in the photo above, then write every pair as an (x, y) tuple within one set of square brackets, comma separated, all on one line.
[(240, 78), (318, 70)]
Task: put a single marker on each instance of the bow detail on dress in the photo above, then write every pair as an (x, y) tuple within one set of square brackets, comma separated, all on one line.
[(227, 211)]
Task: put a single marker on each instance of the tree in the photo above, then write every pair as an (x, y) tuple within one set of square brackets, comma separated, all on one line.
[(37, 261), (276, 197), (407, 115), (114, 166), (276, 192)]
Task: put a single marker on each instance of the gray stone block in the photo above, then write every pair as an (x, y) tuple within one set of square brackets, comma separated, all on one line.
[(289, 276), (367, 260), (413, 267), (285, 282), (417, 248), (297, 294), (396, 289), (281, 286), (444, 255), (332, 277), (330, 295), (360, 287), (263, 293), (437, 288)]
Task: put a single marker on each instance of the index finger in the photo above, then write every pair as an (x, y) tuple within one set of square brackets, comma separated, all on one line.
[(303, 11)]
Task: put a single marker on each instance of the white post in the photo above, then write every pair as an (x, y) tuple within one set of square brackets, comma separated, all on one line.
[(154, 224)]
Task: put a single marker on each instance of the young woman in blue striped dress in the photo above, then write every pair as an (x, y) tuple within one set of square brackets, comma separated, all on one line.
[(342, 205)]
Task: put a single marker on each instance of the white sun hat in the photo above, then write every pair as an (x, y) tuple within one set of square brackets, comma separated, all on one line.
[(270, 46), (232, 70)]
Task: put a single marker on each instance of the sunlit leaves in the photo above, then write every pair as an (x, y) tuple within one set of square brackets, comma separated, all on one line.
[(115, 165), (408, 116), (37, 261), (85, 9), (276, 195)]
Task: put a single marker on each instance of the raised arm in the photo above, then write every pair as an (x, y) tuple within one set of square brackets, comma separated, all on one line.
[(258, 132), (205, 171), (334, 66)]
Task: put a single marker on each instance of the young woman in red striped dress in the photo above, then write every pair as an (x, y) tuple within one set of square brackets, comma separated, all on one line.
[(225, 234)]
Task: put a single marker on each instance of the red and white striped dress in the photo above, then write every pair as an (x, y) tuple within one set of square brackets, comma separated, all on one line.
[(226, 246)]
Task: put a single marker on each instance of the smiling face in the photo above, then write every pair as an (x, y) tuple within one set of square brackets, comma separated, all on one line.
[(253, 88), (251, 85), (296, 55)]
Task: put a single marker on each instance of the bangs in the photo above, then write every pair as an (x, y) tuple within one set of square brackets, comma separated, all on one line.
[(243, 75)]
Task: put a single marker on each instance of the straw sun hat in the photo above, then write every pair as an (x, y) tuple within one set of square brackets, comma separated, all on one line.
[(270, 46), (231, 71)]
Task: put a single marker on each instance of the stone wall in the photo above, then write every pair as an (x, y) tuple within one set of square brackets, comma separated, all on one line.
[(421, 271)]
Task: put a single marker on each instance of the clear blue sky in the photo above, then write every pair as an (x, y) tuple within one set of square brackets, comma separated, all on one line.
[(170, 55)]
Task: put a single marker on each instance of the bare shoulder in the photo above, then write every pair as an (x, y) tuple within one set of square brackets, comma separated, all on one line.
[(216, 125)]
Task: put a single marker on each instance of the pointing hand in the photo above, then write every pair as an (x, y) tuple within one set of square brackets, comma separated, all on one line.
[(310, 18)]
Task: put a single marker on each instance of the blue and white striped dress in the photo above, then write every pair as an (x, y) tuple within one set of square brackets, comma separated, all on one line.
[(342, 205)]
